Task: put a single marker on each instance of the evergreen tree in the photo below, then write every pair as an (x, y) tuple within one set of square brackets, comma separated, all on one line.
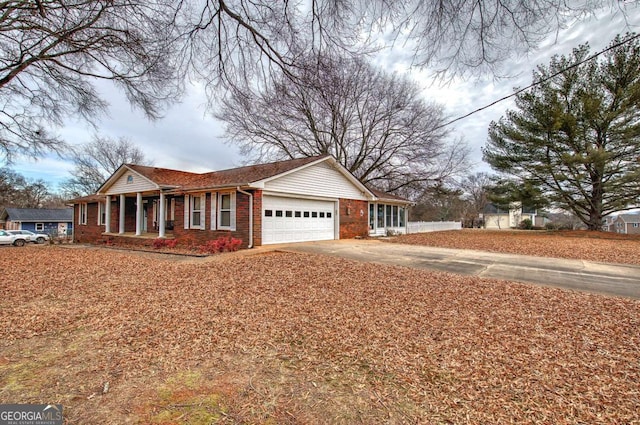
[(576, 136)]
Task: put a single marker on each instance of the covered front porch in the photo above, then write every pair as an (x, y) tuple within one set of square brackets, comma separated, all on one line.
[(138, 215)]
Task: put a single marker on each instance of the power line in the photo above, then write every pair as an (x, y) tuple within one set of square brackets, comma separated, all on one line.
[(544, 80)]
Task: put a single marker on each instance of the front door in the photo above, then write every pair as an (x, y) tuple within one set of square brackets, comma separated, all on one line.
[(144, 218)]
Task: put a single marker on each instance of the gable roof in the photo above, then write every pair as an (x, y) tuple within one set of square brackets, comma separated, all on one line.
[(38, 214), (630, 218), (495, 209), (248, 176), (241, 176)]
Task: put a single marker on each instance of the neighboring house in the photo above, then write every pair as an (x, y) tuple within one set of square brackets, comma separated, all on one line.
[(609, 223), (626, 223), (305, 199), (496, 217), (52, 221)]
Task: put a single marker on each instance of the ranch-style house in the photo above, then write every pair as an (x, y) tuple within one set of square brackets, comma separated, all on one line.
[(307, 199)]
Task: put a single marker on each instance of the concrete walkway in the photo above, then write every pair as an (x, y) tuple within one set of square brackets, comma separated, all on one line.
[(610, 279)]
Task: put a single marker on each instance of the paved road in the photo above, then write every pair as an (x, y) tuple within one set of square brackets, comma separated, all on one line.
[(611, 279)]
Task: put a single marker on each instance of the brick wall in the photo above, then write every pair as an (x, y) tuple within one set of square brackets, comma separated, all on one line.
[(200, 237), (353, 221), (90, 232), (353, 218), (257, 218)]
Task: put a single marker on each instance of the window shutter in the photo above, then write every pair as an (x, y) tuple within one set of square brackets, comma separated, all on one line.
[(214, 206), (203, 209), (233, 211), (79, 213), (99, 212), (187, 207)]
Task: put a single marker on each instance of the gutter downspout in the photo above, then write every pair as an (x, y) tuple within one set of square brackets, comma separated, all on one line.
[(250, 195)]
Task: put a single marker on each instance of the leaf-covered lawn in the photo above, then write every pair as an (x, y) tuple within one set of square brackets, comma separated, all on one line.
[(580, 245), (120, 337)]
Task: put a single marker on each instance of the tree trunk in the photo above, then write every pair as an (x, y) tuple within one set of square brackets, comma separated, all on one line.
[(595, 213)]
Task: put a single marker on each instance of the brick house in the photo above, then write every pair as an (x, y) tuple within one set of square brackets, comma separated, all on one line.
[(297, 200)]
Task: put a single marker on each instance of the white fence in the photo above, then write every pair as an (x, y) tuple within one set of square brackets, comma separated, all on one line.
[(432, 226)]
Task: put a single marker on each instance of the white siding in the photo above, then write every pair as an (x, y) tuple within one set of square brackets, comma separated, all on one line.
[(496, 221), (317, 180), (136, 184)]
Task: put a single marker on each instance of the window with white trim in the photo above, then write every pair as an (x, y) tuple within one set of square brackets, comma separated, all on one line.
[(101, 214), (39, 227), (197, 208), (226, 211), (82, 213)]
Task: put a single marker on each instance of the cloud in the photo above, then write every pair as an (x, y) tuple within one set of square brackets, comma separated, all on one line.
[(189, 138)]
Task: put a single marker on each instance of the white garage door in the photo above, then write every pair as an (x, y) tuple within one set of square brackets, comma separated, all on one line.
[(296, 220)]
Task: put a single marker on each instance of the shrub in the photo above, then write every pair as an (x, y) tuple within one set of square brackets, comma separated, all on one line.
[(222, 244), (160, 243), (526, 224)]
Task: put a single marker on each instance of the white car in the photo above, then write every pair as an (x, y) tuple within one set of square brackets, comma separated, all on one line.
[(7, 238), (39, 238)]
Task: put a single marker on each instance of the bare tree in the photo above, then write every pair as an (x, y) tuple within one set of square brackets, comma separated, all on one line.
[(19, 192), (96, 161), (474, 189), (438, 203), (233, 39), (53, 51), (375, 124)]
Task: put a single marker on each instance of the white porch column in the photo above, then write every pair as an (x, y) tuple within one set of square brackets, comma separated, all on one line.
[(123, 201), (107, 214), (161, 216), (139, 213)]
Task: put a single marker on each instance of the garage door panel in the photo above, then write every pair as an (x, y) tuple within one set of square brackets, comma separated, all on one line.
[(296, 220)]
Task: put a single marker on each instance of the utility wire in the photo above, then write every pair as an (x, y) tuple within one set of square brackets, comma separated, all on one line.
[(544, 80)]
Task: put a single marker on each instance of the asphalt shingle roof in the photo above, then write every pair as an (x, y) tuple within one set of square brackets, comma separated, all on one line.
[(630, 218), (40, 214), (242, 175)]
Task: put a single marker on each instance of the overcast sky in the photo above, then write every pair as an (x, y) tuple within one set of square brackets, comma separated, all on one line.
[(189, 139)]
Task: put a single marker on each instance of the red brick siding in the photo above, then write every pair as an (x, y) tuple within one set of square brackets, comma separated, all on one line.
[(353, 218), (257, 218), (200, 237), (353, 221), (90, 232)]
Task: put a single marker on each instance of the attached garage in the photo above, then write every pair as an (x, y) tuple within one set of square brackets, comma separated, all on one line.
[(286, 219), (296, 200)]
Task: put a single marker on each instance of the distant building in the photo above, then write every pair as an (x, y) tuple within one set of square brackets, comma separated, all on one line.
[(628, 224), (52, 221), (496, 217)]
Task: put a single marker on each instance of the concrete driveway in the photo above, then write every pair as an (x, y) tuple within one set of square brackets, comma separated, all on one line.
[(610, 279)]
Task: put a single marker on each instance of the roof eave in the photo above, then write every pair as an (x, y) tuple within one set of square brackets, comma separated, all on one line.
[(179, 190)]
